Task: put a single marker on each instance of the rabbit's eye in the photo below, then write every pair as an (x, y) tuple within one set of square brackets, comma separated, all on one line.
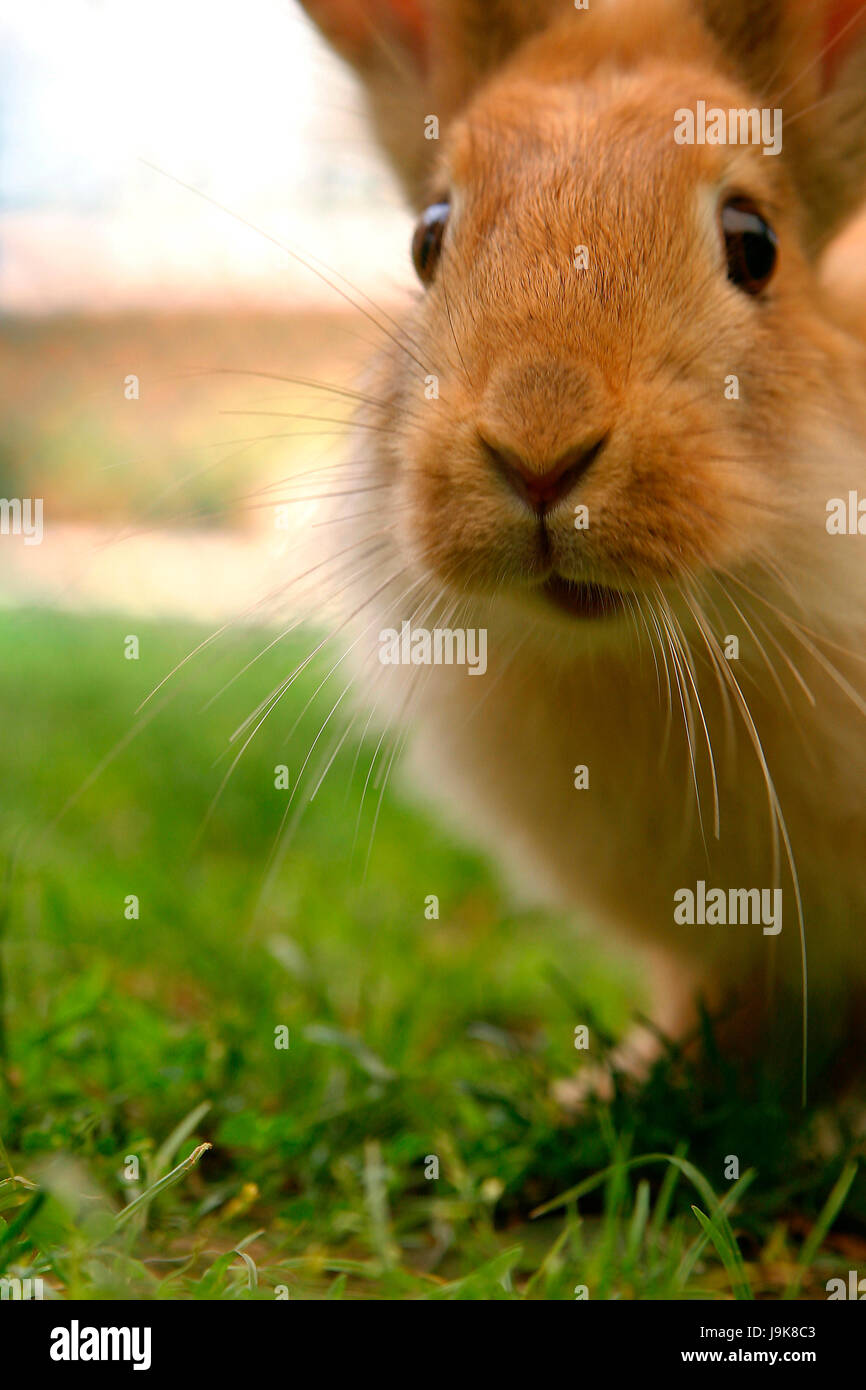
[(751, 245), (427, 241)]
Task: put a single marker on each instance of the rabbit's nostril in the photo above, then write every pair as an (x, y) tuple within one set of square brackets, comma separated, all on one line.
[(543, 488)]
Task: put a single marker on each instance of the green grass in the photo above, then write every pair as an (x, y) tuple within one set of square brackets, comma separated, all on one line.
[(408, 1038)]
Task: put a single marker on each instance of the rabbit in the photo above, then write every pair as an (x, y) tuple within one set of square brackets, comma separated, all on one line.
[(622, 433)]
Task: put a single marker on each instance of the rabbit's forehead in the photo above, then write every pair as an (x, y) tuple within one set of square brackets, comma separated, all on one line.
[(611, 141)]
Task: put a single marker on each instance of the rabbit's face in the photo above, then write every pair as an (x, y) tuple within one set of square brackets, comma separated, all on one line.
[(617, 332)]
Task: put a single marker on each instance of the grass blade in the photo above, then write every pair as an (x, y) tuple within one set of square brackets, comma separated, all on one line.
[(142, 1203), (816, 1236), (729, 1255)]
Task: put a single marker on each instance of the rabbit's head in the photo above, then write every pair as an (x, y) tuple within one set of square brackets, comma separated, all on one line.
[(621, 374)]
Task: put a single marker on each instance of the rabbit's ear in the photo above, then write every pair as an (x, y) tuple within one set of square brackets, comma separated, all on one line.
[(808, 59), (388, 44), (419, 60), (362, 29)]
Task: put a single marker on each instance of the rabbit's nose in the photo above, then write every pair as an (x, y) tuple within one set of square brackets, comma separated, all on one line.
[(542, 488)]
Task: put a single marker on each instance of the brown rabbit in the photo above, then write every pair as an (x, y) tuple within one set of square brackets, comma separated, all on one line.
[(623, 434)]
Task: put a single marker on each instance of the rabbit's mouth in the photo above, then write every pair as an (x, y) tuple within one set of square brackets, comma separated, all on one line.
[(582, 600)]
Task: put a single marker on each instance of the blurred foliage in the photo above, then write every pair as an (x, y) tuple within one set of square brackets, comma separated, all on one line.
[(222, 411)]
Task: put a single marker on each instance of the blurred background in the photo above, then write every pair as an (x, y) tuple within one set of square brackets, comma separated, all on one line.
[(173, 176)]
